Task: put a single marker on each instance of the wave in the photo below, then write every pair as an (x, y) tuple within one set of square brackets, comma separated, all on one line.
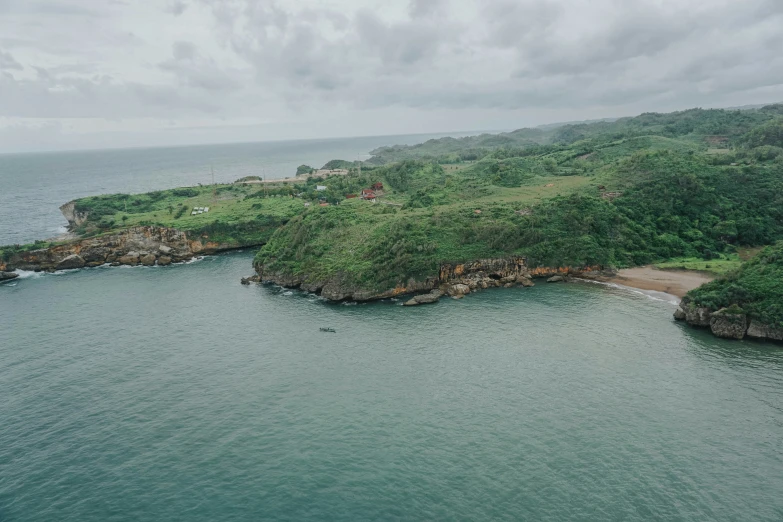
[(650, 294)]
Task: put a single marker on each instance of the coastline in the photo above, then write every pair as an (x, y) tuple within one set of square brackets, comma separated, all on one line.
[(673, 282)]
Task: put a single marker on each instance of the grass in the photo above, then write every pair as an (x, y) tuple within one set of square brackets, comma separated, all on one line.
[(712, 266)]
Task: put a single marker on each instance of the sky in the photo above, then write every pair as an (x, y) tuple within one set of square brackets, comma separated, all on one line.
[(81, 74)]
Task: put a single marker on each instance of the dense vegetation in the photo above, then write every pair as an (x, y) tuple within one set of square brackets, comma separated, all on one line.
[(694, 186), (756, 288), (652, 188)]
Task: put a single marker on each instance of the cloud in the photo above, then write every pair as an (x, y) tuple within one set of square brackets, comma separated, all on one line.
[(7, 62), (299, 61), (193, 70)]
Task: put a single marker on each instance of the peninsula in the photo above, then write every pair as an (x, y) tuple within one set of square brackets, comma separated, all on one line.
[(692, 189)]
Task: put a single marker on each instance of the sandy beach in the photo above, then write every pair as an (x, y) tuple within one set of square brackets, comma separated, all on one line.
[(674, 282)]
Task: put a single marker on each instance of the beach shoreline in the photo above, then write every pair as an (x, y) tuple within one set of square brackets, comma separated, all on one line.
[(673, 282)]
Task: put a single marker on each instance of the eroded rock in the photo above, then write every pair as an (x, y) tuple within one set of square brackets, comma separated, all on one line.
[(759, 330), (728, 324), (147, 260), (71, 262), (7, 276)]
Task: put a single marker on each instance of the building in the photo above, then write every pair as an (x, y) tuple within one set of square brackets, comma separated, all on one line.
[(320, 187), (377, 186)]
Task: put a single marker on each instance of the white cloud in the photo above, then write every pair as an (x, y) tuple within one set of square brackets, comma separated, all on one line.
[(272, 69)]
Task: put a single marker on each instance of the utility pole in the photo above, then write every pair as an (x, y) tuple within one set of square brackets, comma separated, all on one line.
[(214, 188)]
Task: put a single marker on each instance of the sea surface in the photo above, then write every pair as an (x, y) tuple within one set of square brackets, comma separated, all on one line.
[(177, 394)]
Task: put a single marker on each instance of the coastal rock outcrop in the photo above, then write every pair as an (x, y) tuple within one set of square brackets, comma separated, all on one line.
[(759, 330), (555, 279), (147, 259), (71, 262), (697, 315), (728, 324), (432, 297), (7, 276), (144, 244), (456, 280)]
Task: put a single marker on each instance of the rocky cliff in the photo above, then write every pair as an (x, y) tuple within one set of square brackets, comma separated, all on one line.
[(74, 217), (145, 245), (452, 279), (728, 323)]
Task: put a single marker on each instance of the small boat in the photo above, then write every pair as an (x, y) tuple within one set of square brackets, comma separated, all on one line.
[(332, 330)]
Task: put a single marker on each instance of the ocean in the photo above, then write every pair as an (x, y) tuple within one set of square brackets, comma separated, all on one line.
[(176, 393)]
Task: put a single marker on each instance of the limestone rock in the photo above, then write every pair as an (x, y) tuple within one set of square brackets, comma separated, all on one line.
[(523, 281), (251, 279), (432, 297), (759, 330), (679, 314), (164, 260), (458, 296), (508, 285), (555, 279), (131, 258), (147, 260), (165, 249), (728, 324), (70, 262), (7, 276), (697, 316), (458, 289)]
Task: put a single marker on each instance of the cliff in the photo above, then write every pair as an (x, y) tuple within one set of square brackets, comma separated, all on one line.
[(452, 279), (745, 303), (147, 245)]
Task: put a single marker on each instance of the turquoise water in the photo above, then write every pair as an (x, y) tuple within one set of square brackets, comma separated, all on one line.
[(178, 394), (33, 186)]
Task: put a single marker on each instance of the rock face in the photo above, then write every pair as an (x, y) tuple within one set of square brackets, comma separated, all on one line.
[(453, 279), (697, 316), (74, 217), (147, 260), (251, 279), (70, 262), (135, 245), (7, 276), (759, 330), (555, 279), (432, 297), (727, 324), (457, 289)]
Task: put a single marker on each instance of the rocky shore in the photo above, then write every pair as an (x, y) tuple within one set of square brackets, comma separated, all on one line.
[(728, 323), (453, 280), (145, 245)]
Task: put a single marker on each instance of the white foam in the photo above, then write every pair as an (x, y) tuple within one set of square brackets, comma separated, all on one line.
[(28, 274), (650, 294)]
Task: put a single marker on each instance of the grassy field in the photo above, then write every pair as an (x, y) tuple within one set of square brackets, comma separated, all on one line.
[(712, 266)]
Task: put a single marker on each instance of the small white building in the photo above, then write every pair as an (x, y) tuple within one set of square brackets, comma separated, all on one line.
[(320, 187)]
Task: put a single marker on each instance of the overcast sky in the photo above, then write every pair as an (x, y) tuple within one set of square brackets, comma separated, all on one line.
[(116, 73)]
